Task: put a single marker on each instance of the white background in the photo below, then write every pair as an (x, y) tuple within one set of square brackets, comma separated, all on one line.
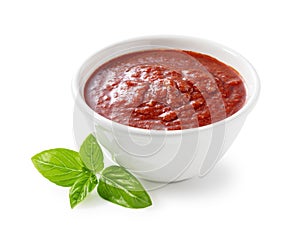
[(254, 190)]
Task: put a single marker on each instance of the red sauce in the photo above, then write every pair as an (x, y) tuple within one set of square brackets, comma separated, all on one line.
[(165, 89)]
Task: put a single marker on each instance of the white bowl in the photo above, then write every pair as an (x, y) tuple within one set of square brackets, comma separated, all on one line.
[(158, 155)]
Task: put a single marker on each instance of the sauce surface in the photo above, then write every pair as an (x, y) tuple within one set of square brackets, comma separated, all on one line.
[(165, 89)]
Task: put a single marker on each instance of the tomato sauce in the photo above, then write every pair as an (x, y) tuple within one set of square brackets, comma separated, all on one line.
[(165, 89)]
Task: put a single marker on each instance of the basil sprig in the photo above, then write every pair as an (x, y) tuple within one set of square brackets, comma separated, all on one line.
[(79, 170)]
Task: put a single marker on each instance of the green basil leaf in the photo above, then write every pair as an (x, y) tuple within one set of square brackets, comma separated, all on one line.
[(81, 188), (119, 186), (61, 166), (91, 154)]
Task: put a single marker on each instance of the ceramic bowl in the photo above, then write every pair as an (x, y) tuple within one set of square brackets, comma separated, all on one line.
[(159, 155)]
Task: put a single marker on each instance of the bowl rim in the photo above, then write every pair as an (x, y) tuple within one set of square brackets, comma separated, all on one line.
[(247, 107)]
